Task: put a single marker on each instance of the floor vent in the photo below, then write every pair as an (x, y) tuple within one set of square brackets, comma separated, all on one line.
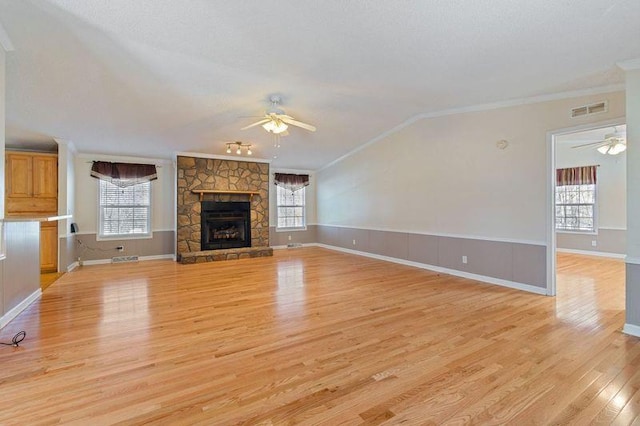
[(121, 259), (294, 245), (596, 108)]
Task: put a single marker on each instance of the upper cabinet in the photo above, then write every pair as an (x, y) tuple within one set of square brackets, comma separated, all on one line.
[(31, 183)]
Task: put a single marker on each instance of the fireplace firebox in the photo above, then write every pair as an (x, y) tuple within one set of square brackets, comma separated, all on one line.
[(225, 225)]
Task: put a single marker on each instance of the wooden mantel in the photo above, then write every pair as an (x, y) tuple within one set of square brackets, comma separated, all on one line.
[(217, 191)]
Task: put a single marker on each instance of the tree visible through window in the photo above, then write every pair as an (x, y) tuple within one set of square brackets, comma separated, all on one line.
[(290, 208), (124, 211), (575, 207)]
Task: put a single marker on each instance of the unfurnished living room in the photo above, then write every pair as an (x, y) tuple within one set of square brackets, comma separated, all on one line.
[(323, 213)]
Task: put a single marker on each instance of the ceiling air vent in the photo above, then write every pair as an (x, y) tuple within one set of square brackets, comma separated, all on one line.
[(589, 109)]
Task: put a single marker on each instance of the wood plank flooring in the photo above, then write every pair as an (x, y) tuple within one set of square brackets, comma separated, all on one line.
[(313, 336)]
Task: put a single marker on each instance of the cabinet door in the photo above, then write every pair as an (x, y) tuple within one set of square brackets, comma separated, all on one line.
[(18, 176), (48, 246), (45, 176)]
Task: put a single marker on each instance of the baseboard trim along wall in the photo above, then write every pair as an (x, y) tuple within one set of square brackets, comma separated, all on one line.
[(6, 318), (592, 253), (140, 259), (462, 274), (632, 330), (500, 262)]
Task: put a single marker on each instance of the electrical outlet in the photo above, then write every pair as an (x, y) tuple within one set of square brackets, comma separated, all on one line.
[(289, 237), (464, 259), (594, 243), (354, 242)]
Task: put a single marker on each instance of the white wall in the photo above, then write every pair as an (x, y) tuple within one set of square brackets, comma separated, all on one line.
[(2, 126), (445, 175), (612, 181), (86, 193), (633, 163)]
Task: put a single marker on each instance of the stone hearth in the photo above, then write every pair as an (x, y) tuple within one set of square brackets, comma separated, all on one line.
[(220, 175), (225, 254)]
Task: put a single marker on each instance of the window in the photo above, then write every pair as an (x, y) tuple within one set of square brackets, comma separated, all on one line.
[(124, 212), (291, 206), (575, 208)]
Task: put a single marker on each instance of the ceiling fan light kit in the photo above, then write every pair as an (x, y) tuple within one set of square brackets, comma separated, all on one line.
[(275, 126), (613, 149)]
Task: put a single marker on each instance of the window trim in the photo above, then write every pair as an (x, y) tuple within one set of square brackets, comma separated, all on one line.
[(146, 236), (304, 213)]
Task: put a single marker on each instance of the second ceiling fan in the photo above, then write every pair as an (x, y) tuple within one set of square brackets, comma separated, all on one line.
[(277, 122)]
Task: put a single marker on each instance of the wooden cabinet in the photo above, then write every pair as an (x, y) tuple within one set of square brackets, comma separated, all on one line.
[(48, 247), (31, 183), (31, 189)]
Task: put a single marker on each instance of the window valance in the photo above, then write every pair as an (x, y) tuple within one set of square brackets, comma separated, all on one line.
[(123, 174), (585, 175), (291, 182)]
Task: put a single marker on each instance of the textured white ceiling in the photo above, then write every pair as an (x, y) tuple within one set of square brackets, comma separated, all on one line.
[(153, 77)]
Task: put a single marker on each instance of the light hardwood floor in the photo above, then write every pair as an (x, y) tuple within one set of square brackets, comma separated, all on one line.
[(314, 336)]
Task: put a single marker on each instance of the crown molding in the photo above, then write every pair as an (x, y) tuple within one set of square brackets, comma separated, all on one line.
[(478, 108), (5, 41), (630, 65), (223, 157)]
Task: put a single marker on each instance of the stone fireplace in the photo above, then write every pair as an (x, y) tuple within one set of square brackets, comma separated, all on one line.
[(205, 182)]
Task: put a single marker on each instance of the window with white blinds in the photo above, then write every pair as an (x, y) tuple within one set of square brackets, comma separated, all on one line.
[(124, 212), (290, 208)]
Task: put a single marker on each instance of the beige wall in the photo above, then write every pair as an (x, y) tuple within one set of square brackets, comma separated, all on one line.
[(444, 175)]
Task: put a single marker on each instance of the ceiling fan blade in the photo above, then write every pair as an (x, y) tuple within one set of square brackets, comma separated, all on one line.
[(584, 145), (256, 124), (293, 122)]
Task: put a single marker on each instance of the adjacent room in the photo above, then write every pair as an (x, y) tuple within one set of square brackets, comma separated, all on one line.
[(319, 212)]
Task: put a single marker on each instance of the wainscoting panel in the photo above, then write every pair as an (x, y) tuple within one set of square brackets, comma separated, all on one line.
[(608, 241), (306, 236), (633, 295), (423, 249), (162, 243), (515, 262), (22, 265)]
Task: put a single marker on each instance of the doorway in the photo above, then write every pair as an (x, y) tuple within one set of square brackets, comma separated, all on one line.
[(586, 221)]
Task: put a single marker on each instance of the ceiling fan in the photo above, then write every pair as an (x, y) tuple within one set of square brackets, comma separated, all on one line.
[(277, 122), (612, 144)]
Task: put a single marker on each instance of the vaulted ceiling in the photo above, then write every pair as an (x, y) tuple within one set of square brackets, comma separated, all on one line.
[(154, 77)]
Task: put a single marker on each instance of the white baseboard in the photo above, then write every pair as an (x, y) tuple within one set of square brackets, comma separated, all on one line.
[(6, 318), (631, 329), (73, 266), (592, 253), (140, 258), (490, 280)]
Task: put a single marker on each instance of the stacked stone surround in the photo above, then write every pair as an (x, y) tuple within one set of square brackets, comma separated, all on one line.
[(222, 175)]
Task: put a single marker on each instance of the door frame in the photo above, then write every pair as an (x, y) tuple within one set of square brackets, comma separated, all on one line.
[(551, 190)]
